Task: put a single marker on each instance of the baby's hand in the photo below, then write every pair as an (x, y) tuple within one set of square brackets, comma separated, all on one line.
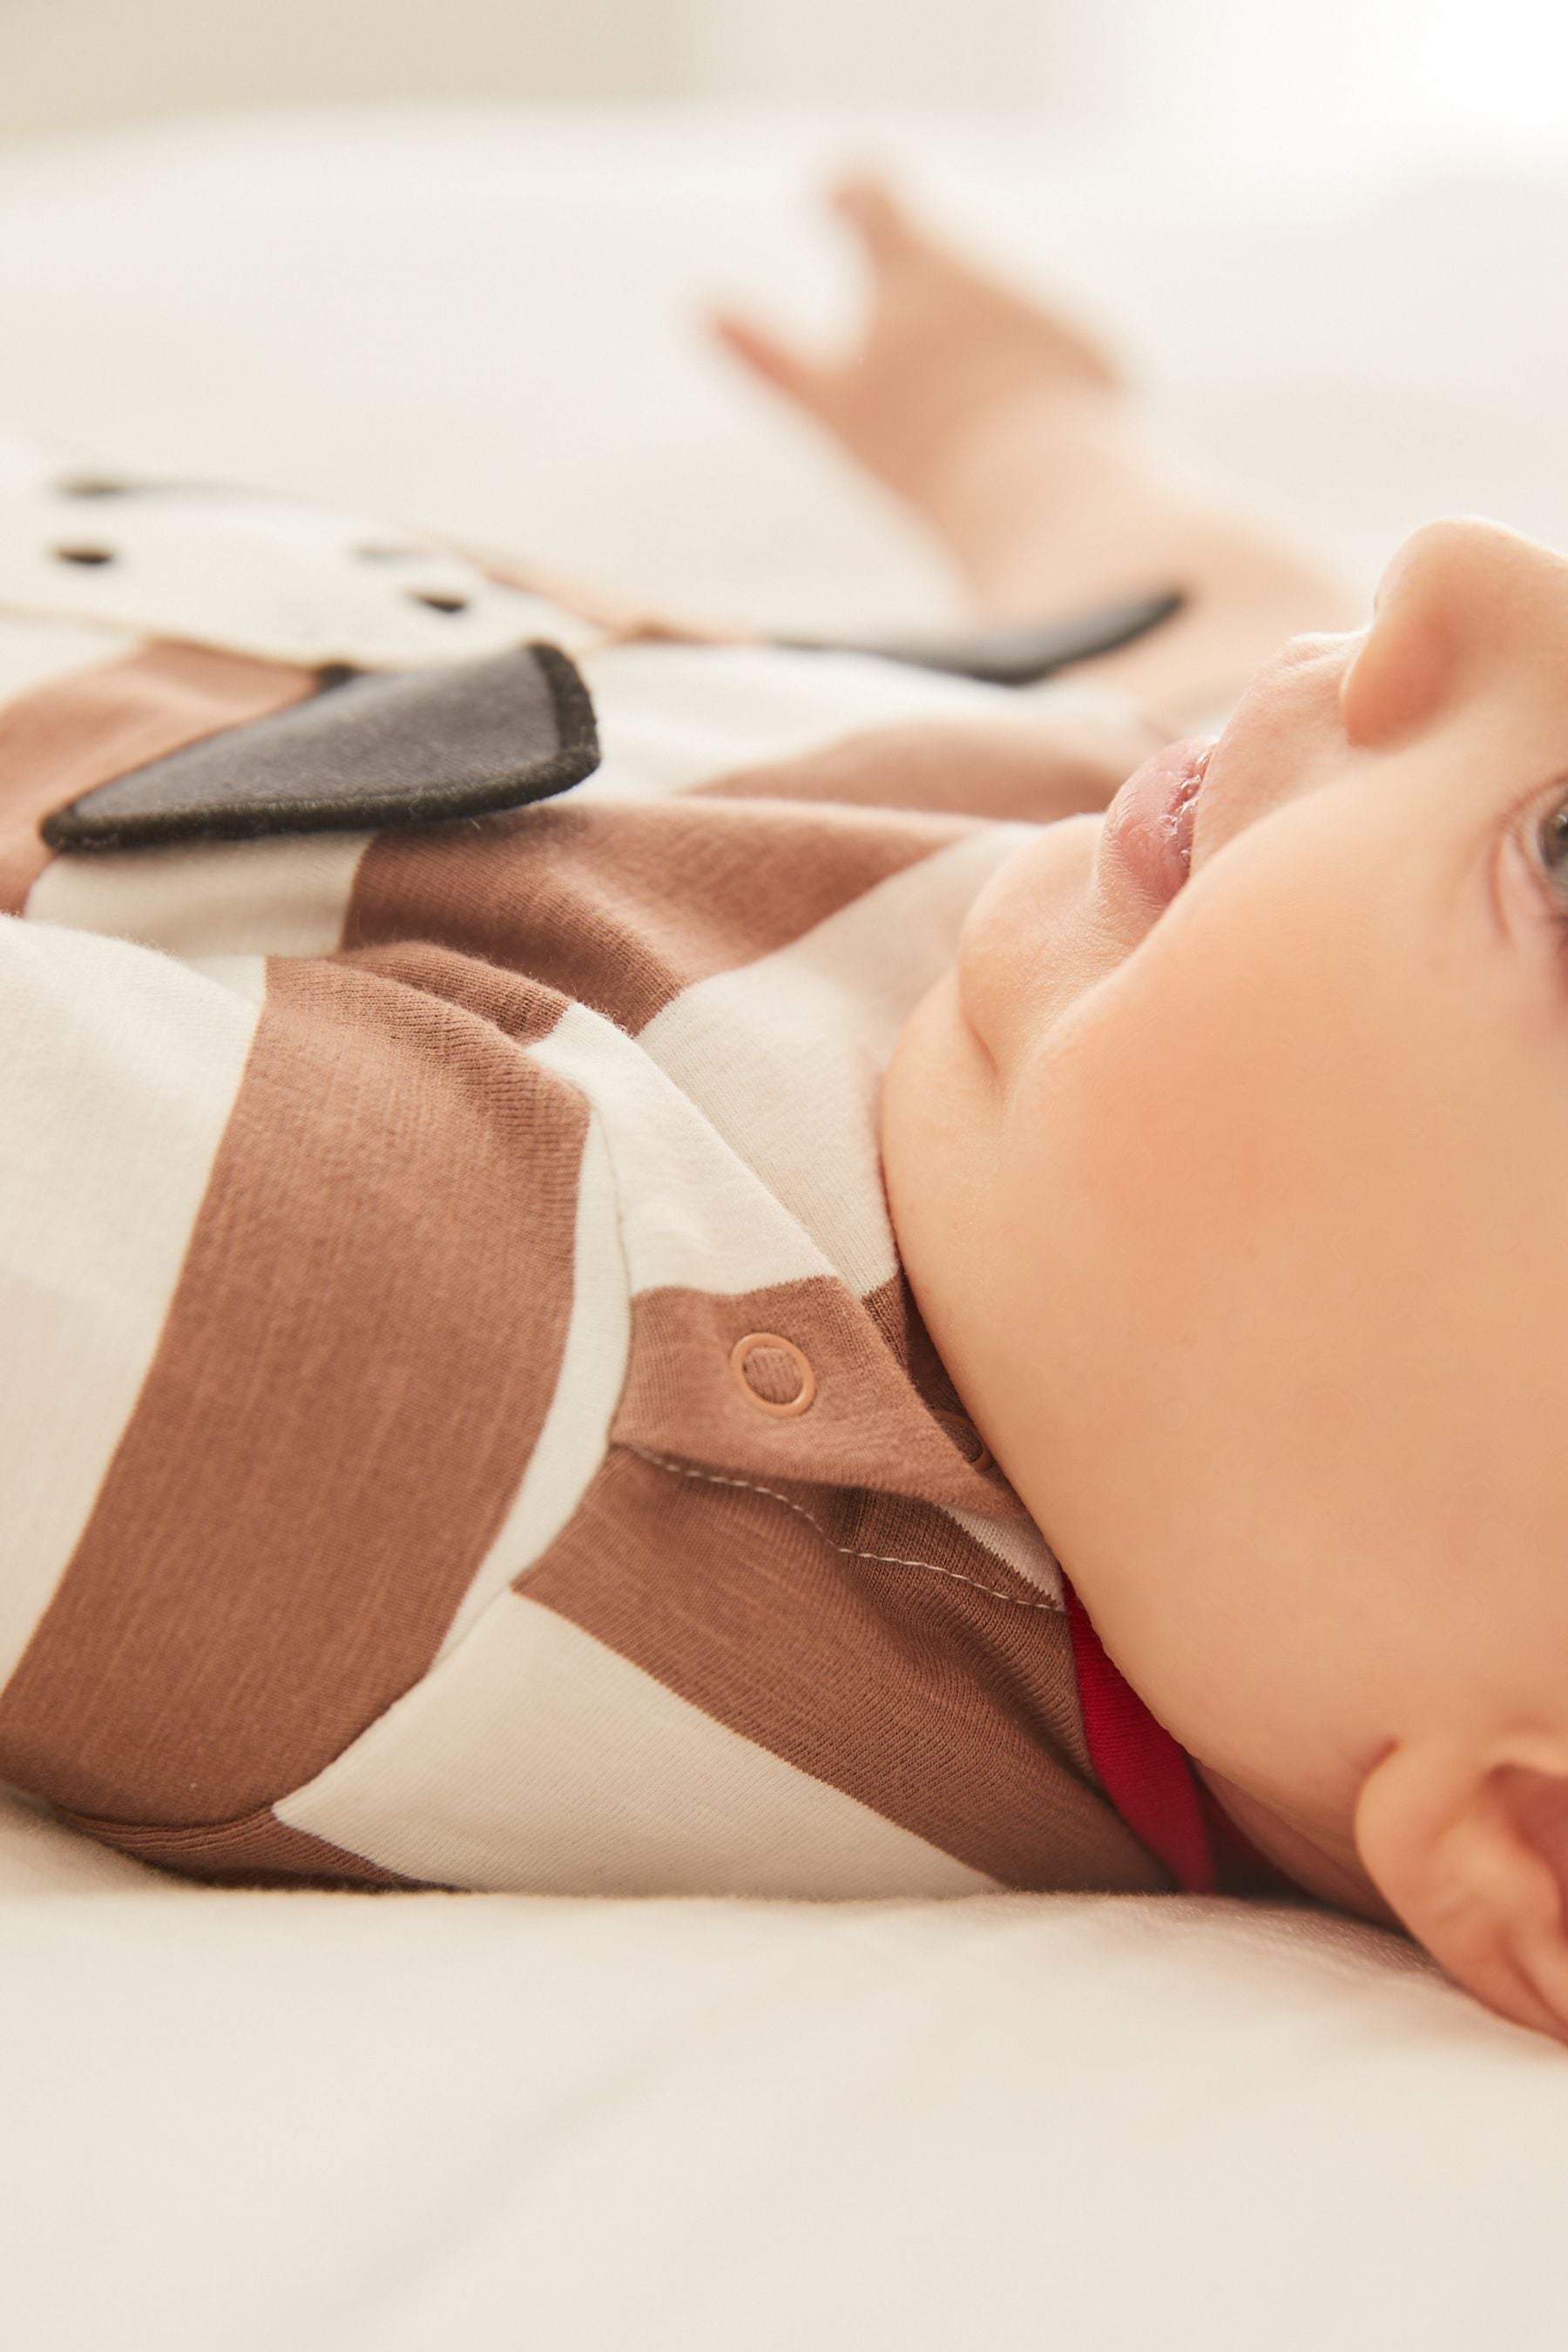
[(942, 348)]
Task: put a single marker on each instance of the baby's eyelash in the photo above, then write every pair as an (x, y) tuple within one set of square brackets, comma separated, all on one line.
[(1550, 852)]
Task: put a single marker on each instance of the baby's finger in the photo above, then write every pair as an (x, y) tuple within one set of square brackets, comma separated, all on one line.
[(870, 207), (788, 371)]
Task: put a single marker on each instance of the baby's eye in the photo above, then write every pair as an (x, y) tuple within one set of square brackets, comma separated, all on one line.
[(1554, 837)]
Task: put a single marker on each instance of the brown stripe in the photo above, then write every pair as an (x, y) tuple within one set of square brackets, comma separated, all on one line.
[(873, 1420), (893, 1310), (941, 1706), (1055, 768), (622, 906), (351, 1375), (80, 731), (259, 1851)]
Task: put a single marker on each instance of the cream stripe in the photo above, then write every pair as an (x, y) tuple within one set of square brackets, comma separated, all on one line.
[(1019, 1542), (672, 716), (785, 1057), (691, 1212), (32, 654), (283, 897), (570, 1445), (537, 1760), (247, 976), (119, 1071)]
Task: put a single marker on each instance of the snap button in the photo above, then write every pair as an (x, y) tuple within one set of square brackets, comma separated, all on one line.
[(772, 1373), (966, 1437)]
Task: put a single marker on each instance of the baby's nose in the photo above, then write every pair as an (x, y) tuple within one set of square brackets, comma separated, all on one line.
[(1459, 602)]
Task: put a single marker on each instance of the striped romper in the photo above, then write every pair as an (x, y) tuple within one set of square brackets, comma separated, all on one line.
[(463, 1422)]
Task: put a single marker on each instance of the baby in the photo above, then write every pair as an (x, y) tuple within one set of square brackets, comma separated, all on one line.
[(814, 1316)]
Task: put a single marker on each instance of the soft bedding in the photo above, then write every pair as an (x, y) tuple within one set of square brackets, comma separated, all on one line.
[(259, 2121), (298, 2119)]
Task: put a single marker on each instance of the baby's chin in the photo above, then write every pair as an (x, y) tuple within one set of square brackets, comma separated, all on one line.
[(1034, 939)]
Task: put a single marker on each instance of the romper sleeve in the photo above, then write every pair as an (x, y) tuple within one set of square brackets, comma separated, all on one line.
[(286, 1265)]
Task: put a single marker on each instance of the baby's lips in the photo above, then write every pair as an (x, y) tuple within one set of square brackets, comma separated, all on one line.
[(1146, 839)]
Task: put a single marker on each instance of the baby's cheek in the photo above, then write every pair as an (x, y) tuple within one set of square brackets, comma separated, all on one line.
[(1176, 1158), (1222, 1081), (1165, 1107)]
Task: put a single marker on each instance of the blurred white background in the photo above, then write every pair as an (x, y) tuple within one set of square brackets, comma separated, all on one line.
[(1250, 76), (447, 258)]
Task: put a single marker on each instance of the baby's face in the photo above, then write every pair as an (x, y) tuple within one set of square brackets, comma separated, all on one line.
[(1242, 1221)]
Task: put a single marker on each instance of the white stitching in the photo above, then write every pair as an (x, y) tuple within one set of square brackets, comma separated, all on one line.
[(889, 1559)]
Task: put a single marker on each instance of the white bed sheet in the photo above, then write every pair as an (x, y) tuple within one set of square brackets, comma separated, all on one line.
[(293, 2120), (279, 2122)]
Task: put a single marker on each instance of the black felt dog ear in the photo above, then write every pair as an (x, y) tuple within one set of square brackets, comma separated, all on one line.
[(372, 748), (1019, 657)]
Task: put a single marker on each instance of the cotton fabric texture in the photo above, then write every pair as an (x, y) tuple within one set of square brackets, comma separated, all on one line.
[(464, 1420)]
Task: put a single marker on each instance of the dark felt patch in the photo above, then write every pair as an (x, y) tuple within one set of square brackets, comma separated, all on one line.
[(409, 746), (1020, 656)]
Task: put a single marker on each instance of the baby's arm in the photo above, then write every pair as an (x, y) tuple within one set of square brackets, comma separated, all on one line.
[(1011, 433)]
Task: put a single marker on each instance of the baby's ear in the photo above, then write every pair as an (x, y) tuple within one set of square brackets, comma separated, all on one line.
[(1466, 1839)]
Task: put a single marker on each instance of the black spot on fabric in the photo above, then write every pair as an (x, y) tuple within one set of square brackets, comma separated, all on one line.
[(111, 486), (375, 749), (84, 555), (438, 604), (93, 485)]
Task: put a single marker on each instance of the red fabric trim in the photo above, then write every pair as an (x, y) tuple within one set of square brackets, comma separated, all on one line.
[(1149, 1777), (1142, 1769)]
